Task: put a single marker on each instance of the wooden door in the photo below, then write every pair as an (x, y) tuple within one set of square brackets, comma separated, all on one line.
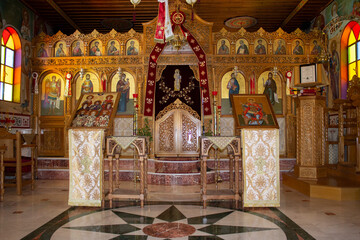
[(177, 134)]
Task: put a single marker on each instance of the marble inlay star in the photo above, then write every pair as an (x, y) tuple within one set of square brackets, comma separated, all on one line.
[(208, 225), (183, 221)]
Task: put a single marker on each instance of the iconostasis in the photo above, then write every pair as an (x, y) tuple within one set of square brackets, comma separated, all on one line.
[(255, 54)]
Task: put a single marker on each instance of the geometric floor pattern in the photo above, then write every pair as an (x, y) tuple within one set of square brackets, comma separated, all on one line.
[(159, 220)]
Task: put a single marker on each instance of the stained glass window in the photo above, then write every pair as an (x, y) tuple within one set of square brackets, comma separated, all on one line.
[(353, 52), (10, 65), (350, 56)]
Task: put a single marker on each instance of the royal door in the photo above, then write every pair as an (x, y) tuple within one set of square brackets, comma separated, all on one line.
[(177, 131)]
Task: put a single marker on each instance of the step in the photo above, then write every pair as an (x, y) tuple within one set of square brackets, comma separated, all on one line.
[(57, 168), (331, 187)]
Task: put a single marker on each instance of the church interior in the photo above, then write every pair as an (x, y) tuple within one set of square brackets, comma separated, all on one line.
[(179, 119)]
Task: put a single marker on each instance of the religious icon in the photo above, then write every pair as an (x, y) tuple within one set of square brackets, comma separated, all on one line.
[(334, 10), (298, 49), (177, 80), (316, 49), (113, 49), (52, 99), (280, 48), (223, 48), (270, 89), (123, 86), (319, 22), (253, 111), (25, 25), (60, 52), (334, 70), (95, 49), (95, 110), (26, 56), (260, 48), (77, 50), (270, 85), (131, 48), (243, 47), (87, 85), (41, 51), (233, 86)]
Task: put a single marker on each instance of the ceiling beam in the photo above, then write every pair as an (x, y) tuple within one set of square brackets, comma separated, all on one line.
[(63, 14), (294, 12)]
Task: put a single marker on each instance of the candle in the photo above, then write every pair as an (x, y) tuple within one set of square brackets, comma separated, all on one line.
[(135, 95), (219, 107), (214, 77), (214, 93)]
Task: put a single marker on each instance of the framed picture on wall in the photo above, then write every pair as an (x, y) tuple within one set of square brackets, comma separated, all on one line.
[(307, 73), (253, 111), (95, 110)]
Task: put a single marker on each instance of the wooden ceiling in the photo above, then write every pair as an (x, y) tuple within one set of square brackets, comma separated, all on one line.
[(87, 15)]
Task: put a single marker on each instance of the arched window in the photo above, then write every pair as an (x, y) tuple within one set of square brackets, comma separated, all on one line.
[(350, 55), (10, 71)]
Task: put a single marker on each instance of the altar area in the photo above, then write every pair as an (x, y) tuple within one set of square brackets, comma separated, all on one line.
[(172, 94)]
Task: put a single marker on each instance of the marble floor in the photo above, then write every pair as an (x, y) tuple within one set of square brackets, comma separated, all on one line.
[(44, 214)]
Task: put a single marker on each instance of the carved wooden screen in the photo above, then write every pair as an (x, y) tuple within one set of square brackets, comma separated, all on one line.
[(177, 130)]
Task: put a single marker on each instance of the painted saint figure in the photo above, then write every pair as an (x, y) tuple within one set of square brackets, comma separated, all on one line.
[(177, 80), (223, 49), (77, 50), (253, 113), (316, 49), (334, 70), (131, 50), (42, 52), (112, 50), (53, 88), (270, 89), (123, 86), (25, 25), (233, 86), (298, 49), (87, 85), (95, 50), (60, 51), (260, 48), (242, 49), (280, 50)]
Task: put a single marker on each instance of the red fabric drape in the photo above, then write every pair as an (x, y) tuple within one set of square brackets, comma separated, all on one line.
[(155, 53)]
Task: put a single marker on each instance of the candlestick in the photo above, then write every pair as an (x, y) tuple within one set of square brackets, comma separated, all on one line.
[(135, 95), (215, 116), (219, 122), (214, 77)]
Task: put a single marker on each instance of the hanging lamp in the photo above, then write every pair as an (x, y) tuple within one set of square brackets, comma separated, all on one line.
[(191, 2), (135, 3)]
